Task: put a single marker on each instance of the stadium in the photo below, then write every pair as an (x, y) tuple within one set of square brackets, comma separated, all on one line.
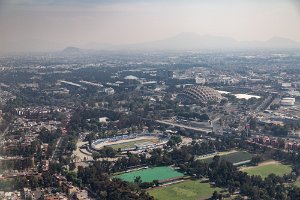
[(199, 94), (132, 142)]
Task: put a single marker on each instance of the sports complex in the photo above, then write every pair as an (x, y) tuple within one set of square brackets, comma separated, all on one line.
[(131, 142), (175, 185)]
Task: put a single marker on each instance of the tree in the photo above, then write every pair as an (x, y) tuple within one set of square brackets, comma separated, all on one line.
[(174, 140), (216, 196), (137, 180), (72, 166), (256, 159), (96, 156), (253, 124), (155, 182)]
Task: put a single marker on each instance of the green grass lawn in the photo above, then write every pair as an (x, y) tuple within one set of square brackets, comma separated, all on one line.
[(234, 157), (188, 190), (150, 174), (131, 144), (297, 183), (263, 171)]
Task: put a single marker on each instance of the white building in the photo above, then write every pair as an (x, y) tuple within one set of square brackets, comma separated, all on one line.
[(286, 85), (287, 101), (200, 80), (109, 91)]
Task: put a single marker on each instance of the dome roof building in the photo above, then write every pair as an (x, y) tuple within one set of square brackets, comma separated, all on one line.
[(131, 77), (199, 94)]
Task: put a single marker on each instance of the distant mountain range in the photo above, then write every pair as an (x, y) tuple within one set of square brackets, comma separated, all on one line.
[(193, 41)]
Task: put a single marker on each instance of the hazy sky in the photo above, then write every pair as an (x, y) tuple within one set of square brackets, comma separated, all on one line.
[(43, 25)]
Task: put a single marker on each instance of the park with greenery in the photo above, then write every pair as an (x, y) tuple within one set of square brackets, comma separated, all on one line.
[(187, 190)]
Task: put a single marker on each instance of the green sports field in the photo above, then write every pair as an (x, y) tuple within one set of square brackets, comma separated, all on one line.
[(263, 171), (131, 144), (150, 174), (234, 157), (188, 190)]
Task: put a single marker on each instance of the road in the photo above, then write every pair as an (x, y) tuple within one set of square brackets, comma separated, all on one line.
[(2, 134), (264, 104), (56, 152), (215, 123), (206, 130)]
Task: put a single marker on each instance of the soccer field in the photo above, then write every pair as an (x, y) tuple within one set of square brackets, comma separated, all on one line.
[(234, 157), (187, 190), (131, 144), (150, 174), (264, 170)]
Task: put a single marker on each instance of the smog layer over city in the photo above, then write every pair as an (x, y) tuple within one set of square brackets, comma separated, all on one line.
[(149, 100)]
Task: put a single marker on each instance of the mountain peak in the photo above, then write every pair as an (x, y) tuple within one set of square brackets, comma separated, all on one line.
[(187, 34), (281, 39), (281, 42), (71, 50)]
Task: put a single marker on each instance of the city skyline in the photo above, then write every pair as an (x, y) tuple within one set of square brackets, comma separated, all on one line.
[(149, 100)]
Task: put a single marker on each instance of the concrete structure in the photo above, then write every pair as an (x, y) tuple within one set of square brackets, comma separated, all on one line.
[(200, 80), (109, 91), (286, 85), (199, 94), (81, 195), (287, 101), (100, 143)]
